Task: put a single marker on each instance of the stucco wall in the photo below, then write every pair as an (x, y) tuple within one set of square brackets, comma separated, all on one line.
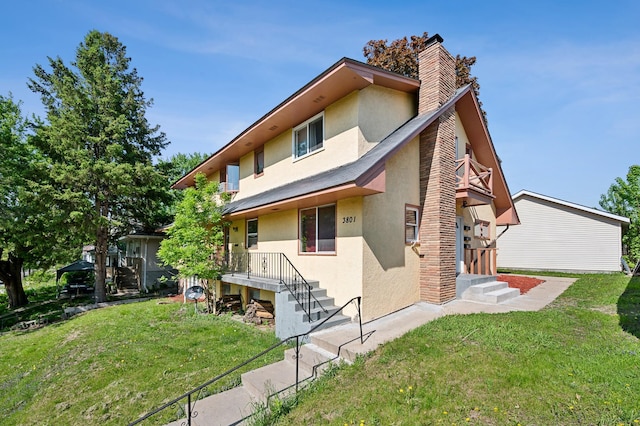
[(352, 126), (390, 266), (560, 238), (340, 273)]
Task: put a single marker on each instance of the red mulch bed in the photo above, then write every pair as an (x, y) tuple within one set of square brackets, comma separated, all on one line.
[(518, 281)]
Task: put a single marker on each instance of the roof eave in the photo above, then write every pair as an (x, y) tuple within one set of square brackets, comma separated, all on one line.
[(342, 78)]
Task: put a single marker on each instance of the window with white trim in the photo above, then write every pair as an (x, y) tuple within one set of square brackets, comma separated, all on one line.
[(411, 224), (252, 233), (318, 229), (309, 136)]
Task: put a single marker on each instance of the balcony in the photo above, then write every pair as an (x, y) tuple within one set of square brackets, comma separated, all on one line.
[(230, 187), (474, 182)]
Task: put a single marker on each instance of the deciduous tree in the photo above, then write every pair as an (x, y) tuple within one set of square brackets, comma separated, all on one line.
[(195, 242), (623, 199), (401, 56), (99, 141)]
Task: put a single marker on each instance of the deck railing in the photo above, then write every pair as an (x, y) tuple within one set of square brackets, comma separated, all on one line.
[(275, 266), (481, 261), (472, 175)]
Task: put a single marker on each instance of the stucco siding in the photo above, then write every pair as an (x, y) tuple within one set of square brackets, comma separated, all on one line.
[(352, 126), (390, 266), (381, 111), (560, 238)]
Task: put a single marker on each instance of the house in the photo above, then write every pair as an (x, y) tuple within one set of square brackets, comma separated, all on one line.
[(139, 266), (364, 183), (558, 235)]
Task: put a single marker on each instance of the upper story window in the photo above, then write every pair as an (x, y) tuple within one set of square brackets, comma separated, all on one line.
[(230, 178), (258, 161), (309, 136)]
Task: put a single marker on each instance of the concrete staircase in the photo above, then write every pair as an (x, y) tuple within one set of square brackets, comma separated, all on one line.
[(483, 288), (291, 318), (260, 386), (126, 280)]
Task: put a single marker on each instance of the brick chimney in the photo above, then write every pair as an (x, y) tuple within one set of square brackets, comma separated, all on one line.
[(437, 74), (436, 70)]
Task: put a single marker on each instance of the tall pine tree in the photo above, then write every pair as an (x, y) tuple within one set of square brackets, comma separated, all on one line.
[(99, 141)]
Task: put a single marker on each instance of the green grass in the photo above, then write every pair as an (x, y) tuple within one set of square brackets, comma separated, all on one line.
[(575, 362), (110, 366)]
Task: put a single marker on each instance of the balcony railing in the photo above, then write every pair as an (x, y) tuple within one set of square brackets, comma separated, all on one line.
[(278, 267), (471, 175), (229, 187), (481, 261)]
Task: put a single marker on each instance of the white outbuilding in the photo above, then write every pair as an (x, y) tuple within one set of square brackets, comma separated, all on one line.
[(557, 235)]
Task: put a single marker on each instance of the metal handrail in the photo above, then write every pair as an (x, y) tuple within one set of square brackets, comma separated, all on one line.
[(276, 266), (191, 414)]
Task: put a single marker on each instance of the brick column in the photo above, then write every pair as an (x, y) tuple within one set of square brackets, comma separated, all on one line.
[(437, 176), (438, 216)]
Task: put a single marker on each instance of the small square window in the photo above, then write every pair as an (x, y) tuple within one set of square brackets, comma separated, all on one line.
[(254, 293), (411, 224)]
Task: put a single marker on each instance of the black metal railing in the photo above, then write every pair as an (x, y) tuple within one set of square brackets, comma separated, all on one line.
[(275, 266), (188, 397)]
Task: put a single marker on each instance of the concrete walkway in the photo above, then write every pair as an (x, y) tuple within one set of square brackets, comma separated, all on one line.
[(343, 343)]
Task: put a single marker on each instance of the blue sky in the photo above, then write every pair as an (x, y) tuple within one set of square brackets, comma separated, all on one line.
[(560, 80)]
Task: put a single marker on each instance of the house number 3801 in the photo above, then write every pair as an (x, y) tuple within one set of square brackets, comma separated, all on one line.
[(348, 219)]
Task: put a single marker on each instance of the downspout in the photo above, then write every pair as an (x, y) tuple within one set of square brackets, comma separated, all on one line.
[(505, 230), (144, 266)]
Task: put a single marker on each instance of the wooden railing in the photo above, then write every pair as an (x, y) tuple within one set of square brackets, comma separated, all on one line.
[(481, 261), (472, 175)]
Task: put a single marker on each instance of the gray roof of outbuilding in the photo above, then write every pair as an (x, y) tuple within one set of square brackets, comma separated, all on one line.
[(348, 173)]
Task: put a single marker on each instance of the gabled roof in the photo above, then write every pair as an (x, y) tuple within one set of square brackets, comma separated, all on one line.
[(559, 202)]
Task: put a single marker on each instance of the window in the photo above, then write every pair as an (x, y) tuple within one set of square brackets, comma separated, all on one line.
[(252, 233), (318, 229), (254, 293), (258, 161), (308, 137), (411, 224), (230, 178), (226, 289)]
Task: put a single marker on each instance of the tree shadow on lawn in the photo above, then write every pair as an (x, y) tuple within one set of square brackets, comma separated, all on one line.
[(629, 307)]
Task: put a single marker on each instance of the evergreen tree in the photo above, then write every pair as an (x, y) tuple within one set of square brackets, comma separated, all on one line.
[(100, 143)]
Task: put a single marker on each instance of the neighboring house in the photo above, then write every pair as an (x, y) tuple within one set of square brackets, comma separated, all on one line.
[(362, 183), (113, 255), (139, 264), (557, 235)]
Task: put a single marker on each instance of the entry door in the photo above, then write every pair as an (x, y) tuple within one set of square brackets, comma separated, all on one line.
[(459, 245)]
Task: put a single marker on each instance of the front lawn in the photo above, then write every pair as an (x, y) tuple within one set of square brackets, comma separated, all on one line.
[(110, 366), (576, 362)]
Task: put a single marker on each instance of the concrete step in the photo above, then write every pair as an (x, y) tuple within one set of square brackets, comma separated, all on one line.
[(486, 287), (278, 378), (499, 296), (312, 358), (492, 292), (316, 292), (323, 301), (222, 409)]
